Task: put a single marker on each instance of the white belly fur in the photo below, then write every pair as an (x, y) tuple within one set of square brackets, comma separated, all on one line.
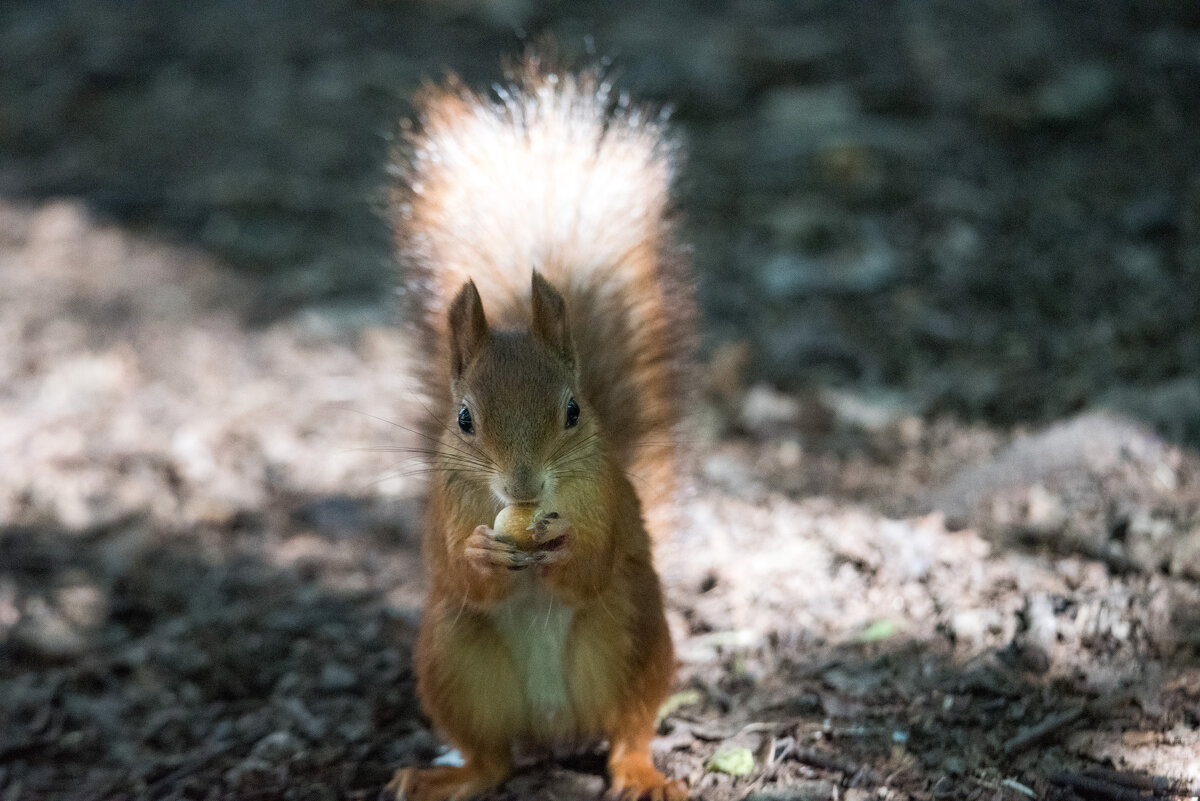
[(535, 627)]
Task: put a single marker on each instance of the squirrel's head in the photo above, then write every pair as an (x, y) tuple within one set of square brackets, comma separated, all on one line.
[(519, 417)]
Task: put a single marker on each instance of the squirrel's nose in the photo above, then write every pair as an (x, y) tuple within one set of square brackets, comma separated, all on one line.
[(524, 494), (525, 485)]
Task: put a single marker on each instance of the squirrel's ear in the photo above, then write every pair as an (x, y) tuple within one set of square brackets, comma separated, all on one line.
[(468, 329), (549, 322)]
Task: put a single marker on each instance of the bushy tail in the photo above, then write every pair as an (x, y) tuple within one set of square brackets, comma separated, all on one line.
[(555, 172)]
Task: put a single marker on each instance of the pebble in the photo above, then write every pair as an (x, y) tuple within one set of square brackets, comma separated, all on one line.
[(802, 790), (47, 634), (765, 410), (336, 676), (862, 264), (1185, 556), (1078, 93), (873, 410), (250, 773), (277, 747)]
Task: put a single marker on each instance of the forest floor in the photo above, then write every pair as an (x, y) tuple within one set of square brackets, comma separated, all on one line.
[(211, 581), (943, 536)]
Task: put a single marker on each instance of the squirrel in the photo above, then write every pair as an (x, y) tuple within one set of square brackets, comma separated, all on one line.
[(556, 316)]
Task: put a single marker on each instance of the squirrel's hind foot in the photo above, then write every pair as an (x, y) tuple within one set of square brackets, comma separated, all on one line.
[(635, 780), (441, 783), (665, 791)]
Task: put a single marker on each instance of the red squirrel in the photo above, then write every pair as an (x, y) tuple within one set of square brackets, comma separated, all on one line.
[(556, 316)]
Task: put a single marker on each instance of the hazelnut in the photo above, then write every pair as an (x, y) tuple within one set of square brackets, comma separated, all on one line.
[(515, 523)]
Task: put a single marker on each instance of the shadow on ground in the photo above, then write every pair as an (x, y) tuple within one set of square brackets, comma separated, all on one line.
[(269, 658)]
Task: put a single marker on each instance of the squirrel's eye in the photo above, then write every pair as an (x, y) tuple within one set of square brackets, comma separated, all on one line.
[(465, 422), (572, 413)]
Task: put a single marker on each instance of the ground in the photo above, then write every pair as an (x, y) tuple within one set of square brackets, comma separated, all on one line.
[(943, 533)]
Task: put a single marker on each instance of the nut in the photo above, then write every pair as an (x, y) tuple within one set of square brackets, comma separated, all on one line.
[(515, 523)]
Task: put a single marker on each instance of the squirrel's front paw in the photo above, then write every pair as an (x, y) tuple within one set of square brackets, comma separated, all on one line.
[(550, 532), (487, 552)]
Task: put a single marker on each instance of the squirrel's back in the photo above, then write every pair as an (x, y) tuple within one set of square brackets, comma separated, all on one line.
[(557, 174)]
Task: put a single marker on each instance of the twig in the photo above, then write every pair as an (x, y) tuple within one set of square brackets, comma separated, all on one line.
[(833, 764), (1047, 727), (1013, 784), (190, 764), (1158, 785), (1093, 786)]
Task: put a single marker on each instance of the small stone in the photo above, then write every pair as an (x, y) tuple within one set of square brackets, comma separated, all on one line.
[(802, 790), (313, 727), (336, 677), (861, 262), (250, 774), (1185, 556), (276, 747), (955, 765), (866, 409), (765, 410), (1080, 92), (971, 626), (84, 605), (47, 634), (1045, 510)]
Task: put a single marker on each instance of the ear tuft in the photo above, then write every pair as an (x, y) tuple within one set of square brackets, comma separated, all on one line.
[(549, 322), (468, 329)]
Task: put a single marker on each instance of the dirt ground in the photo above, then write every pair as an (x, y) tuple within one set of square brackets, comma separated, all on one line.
[(943, 538)]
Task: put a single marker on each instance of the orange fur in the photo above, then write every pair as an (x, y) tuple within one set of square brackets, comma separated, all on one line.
[(567, 641)]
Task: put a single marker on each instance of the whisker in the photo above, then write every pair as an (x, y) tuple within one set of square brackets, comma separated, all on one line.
[(422, 453), (604, 606), (448, 429), (461, 607), (392, 423), (576, 447), (470, 450)]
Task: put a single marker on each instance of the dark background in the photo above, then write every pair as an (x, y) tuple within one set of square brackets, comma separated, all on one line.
[(991, 208)]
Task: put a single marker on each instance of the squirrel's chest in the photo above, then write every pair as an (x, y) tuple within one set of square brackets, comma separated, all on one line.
[(535, 627)]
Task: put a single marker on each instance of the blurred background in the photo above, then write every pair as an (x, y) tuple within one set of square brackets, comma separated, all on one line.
[(986, 208), (948, 260)]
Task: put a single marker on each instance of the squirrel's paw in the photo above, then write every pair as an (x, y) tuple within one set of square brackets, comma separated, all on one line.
[(487, 552), (438, 783), (550, 532), (659, 789), (634, 778), (549, 528)]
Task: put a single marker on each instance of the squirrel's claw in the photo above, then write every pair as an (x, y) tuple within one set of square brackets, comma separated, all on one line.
[(486, 552), (548, 527), (550, 534), (441, 783), (666, 791)]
